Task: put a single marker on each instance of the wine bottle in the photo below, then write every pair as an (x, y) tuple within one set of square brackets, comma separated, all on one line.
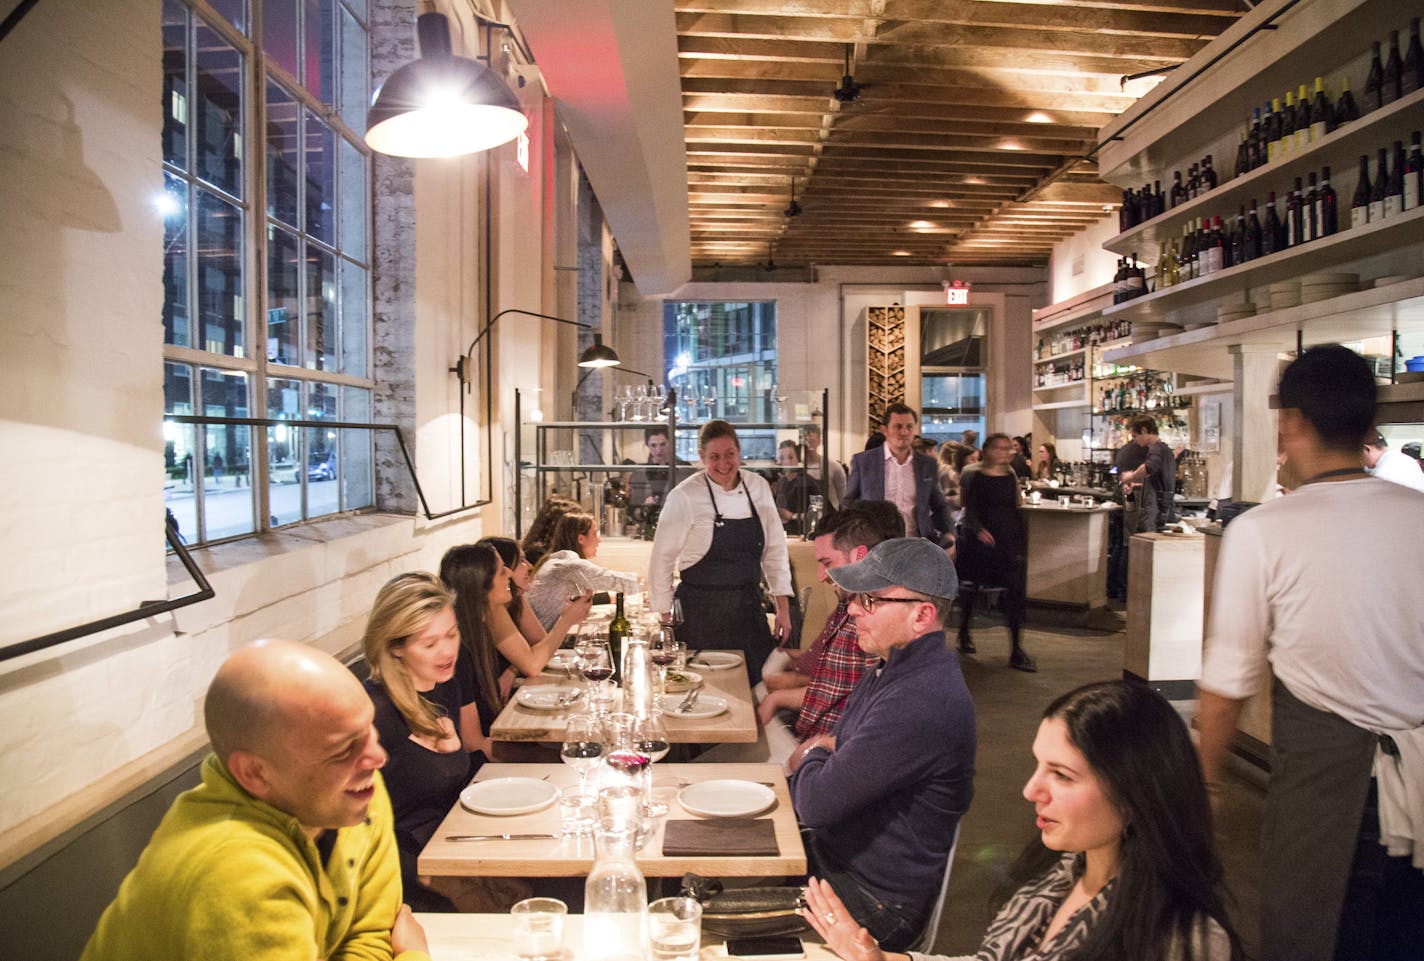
[(1208, 175), (1413, 78), (1295, 217), (1215, 248), (1243, 154), (1414, 174), (1198, 249), (1377, 189), (1253, 233), (1287, 147), (1193, 182), (1327, 206), (1346, 110), (618, 632), (1184, 255), (1311, 206), (1273, 132), (1374, 83), (1302, 120), (1322, 119), (1118, 281), (1136, 278), (1394, 186), (1253, 146), (1124, 213), (1237, 247), (1178, 193), (1271, 229), (1360, 206), (1393, 71)]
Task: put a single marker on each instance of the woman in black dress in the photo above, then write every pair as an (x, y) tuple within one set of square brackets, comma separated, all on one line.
[(994, 548)]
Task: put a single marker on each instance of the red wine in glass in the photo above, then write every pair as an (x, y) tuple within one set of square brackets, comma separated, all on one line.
[(597, 672), (628, 762), (656, 750), (662, 657)]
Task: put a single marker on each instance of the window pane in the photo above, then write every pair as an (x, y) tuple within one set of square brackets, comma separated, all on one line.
[(176, 326), (284, 452), (279, 33), (354, 319), (320, 50), (321, 310), (231, 11), (219, 246), (322, 467), (358, 7), (355, 206), (356, 445), (227, 487), (355, 75), (218, 129), (319, 166), (284, 305), (282, 157), (178, 447), (175, 84)]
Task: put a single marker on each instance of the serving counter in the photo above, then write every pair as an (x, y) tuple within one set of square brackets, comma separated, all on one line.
[(1068, 553)]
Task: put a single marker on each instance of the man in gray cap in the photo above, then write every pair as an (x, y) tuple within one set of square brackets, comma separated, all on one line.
[(883, 793)]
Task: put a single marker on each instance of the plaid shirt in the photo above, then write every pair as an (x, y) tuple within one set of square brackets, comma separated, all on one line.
[(836, 663)]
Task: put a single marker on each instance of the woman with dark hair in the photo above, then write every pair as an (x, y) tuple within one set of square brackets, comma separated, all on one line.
[(1048, 464), (567, 570), (721, 533), (1019, 464), (1124, 866), (994, 548), (536, 539), (479, 580), (520, 639)]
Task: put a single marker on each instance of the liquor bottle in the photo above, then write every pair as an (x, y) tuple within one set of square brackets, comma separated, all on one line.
[(1311, 206), (1394, 186), (1377, 189), (1178, 193), (1374, 83), (1208, 175), (1287, 146), (1346, 110), (1271, 229), (1254, 239), (1414, 175), (1322, 116), (1360, 206), (1327, 206), (1413, 78), (1393, 71), (1273, 132), (1295, 217), (1302, 120), (618, 632)]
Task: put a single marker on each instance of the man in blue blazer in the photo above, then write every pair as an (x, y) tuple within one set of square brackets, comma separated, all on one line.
[(910, 481)]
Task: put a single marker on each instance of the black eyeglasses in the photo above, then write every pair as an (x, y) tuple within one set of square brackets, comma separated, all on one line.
[(868, 601)]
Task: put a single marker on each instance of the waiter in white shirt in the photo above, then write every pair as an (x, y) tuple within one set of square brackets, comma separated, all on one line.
[(720, 531), (1392, 465)]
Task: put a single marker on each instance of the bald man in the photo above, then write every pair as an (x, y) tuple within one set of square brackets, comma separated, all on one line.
[(285, 850)]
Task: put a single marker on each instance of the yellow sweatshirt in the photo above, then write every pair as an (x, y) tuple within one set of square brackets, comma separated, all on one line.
[(228, 876)]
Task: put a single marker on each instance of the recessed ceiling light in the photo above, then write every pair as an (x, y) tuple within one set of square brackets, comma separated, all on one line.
[(941, 204), (1011, 145), (922, 225), (899, 253), (974, 181), (1038, 117)]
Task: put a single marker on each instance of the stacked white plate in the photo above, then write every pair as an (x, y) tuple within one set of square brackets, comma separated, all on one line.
[(1285, 294), (1391, 279), (1323, 286), (1234, 311)]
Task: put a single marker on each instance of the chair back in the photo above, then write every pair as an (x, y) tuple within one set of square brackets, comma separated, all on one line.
[(925, 941)]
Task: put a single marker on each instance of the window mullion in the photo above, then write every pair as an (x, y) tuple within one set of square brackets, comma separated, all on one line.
[(257, 238)]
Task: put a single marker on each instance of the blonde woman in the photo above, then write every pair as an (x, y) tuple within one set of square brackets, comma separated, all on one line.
[(412, 644)]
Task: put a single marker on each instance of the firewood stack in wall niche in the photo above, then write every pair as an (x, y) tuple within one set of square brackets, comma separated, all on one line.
[(884, 361)]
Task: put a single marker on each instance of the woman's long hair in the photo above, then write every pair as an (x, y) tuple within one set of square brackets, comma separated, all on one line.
[(567, 531), (508, 550), (404, 606), (537, 537), (1168, 875), (469, 570), (1047, 467)]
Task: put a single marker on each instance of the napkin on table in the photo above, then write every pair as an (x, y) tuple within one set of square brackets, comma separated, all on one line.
[(734, 837)]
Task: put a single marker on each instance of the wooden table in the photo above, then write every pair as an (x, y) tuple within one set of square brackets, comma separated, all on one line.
[(737, 724), (490, 937), (561, 857)]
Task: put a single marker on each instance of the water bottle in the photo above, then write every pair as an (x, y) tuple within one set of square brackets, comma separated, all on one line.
[(615, 897)]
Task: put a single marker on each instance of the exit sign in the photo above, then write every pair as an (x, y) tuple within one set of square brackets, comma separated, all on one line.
[(956, 293)]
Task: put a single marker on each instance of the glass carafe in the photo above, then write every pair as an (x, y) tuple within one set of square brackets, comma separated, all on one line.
[(637, 676), (615, 897)]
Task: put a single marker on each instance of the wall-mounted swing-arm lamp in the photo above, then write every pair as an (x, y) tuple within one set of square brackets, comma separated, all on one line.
[(598, 354)]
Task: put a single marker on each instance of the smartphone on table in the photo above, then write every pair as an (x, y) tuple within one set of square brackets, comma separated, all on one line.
[(766, 949)]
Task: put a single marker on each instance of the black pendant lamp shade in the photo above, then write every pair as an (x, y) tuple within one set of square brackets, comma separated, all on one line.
[(598, 354), (441, 105)]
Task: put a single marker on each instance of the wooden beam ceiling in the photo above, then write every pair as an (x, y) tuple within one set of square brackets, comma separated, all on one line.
[(968, 141)]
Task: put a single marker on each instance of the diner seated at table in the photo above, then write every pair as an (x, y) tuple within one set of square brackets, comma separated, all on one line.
[(521, 575), (817, 681), (1123, 866), (541, 528), (567, 570), (479, 581), (285, 848), (882, 795)]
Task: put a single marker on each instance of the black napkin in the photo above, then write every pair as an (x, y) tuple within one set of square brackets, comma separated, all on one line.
[(732, 837)]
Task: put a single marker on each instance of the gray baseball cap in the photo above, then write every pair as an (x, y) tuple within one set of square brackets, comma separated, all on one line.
[(909, 562)]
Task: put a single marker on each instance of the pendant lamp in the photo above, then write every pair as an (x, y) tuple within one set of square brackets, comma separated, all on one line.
[(441, 105)]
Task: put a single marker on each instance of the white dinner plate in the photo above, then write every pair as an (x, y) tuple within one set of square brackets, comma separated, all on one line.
[(564, 660), (726, 799), (543, 697), (707, 705), (716, 660), (674, 688), (506, 796)]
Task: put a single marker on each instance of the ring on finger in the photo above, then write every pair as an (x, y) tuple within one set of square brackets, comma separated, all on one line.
[(830, 917)]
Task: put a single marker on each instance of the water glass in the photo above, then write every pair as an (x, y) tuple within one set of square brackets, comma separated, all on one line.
[(621, 806), (578, 812), (675, 929), (539, 929)]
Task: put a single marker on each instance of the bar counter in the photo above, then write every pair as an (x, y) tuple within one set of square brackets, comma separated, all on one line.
[(1068, 553)]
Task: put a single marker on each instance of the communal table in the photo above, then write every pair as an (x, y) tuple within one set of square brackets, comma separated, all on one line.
[(738, 724), (569, 857), (490, 937)]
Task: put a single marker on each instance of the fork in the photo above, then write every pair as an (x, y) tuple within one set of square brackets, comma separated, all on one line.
[(691, 699), (566, 699)]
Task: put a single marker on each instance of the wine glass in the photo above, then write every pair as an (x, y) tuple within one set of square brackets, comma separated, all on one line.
[(624, 744), (709, 400), (640, 403), (625, 401), (583, 745), (652, 740), (595, 661), (664, 651)]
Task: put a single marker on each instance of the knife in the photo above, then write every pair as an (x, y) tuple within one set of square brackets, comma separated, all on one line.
[(500, 837)]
